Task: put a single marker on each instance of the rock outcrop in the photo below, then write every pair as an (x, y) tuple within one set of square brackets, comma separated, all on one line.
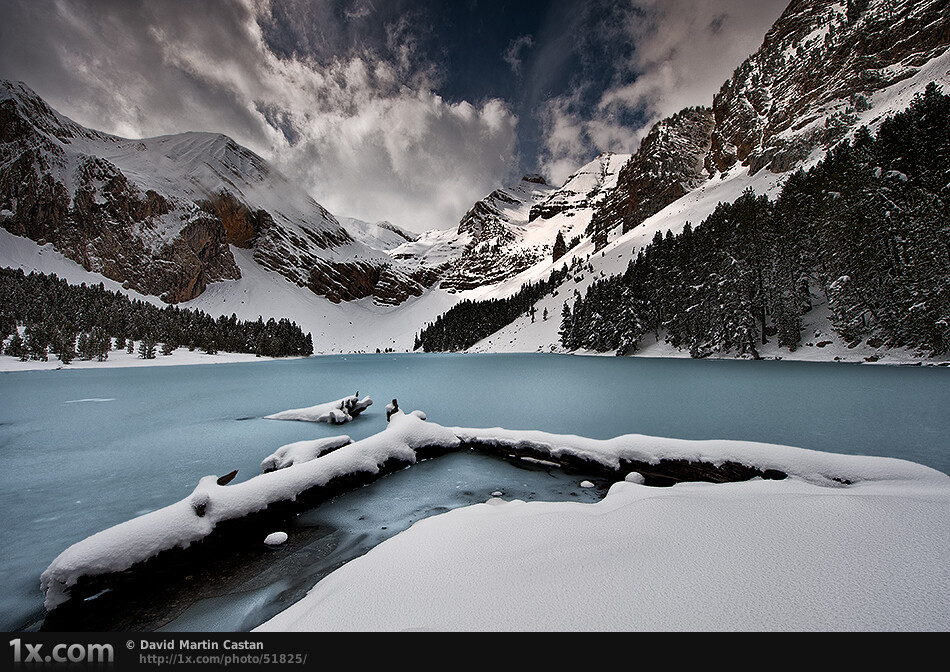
[(802, 91), (515, 228), (817, 67), (669, 164)]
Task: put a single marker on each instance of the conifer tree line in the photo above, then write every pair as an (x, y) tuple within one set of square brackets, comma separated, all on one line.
[(469, 321), (867, 230), (42, 315)]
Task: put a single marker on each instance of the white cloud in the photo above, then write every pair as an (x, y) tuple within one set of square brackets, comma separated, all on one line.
[(364, 132), (346, 101), (684, 51)]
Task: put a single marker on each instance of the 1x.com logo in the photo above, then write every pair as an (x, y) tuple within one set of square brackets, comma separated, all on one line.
[(24, 652)]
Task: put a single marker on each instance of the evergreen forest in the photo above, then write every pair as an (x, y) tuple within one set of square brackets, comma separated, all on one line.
[(42, 315), (468, 322), (867, 230)]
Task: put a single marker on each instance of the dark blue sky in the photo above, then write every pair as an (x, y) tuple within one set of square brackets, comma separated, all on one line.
[(524, 53)]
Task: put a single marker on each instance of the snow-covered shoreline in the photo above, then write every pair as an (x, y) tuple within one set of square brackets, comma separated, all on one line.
[(875, 529), (184, 357), (119, 359)]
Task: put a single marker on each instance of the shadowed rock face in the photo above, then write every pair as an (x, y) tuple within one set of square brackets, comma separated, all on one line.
[(821, 60), (669, 164), (816, 69), (240, 224), (101, 220), (350, 281)]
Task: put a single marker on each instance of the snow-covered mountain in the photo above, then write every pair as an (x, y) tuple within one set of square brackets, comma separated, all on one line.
[(805, 89), (814, 75), (514, 229), (825, 69), (161, 215), (208, 222)]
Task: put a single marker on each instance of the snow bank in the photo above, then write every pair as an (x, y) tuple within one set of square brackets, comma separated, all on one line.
[(804, 553), (844, 543), (336, 412), (193, 518), (753, 556)]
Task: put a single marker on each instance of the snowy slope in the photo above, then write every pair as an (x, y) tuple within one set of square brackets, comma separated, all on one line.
[(353, 326), (527, 336), (383, 236)]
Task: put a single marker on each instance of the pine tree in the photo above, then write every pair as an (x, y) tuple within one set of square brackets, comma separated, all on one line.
[(147, 348), (16, 347), (560, 247), (99, 343)]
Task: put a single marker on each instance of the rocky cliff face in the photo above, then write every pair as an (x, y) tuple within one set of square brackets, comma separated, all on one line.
[(818, 65), (160, 214), (515, 228), (87, 208), (584, 190), (490, 231), (669, 163), (817, 68)]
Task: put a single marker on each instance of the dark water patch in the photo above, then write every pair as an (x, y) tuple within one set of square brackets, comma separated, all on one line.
[(237, 586)]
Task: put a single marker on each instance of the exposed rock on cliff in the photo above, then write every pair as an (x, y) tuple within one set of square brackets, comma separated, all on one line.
[(161, 214), (668, 164), (817, 66)]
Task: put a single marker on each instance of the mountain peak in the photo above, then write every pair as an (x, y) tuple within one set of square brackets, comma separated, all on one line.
[(21, 106)]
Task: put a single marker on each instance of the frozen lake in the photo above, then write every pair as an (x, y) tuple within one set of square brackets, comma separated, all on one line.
[(83, 450)]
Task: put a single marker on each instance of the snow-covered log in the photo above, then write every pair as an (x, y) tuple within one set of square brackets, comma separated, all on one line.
[(335, 412), (302, 451), (194, 518), (408, 438)]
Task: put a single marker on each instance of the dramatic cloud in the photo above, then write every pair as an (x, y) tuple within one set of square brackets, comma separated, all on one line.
[(405, 110), (679, 53), (357, 120)]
